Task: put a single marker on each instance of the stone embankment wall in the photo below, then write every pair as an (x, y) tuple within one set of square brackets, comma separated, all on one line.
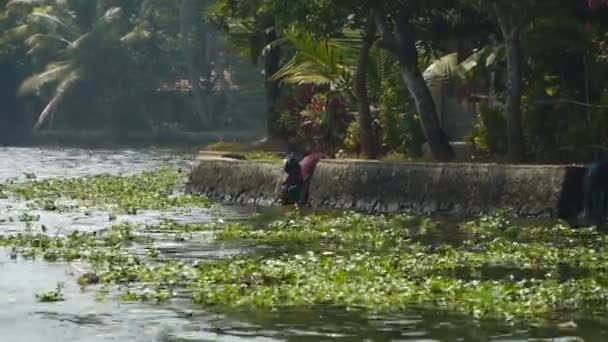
[(540, 191)]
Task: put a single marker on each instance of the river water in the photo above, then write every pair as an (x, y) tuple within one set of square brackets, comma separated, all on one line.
[(81, 318)]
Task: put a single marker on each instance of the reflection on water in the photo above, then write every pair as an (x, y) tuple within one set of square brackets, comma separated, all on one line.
[(72, 162), (82, 318)]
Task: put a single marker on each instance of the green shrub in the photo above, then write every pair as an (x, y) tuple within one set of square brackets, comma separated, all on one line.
[(401, 129), (488, 137)]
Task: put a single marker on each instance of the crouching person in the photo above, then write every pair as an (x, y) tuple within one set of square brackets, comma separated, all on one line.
[(292, 186), (299, 175)]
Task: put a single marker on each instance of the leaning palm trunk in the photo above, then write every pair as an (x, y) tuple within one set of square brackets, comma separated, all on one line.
[(402, 45), (187, 21), (63, 91), (366, 135)]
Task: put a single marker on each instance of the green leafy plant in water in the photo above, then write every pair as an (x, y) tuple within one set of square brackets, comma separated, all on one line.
[(53, 296), (27, 217), (345, 230), (171, 226), (500, 269), (148, 190), (159, 295), (385, 278)]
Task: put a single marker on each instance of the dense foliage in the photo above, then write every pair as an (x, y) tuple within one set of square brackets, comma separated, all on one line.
[(120, 67), (388, 76)]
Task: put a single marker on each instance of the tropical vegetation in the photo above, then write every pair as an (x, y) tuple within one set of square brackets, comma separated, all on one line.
[(520, 81)]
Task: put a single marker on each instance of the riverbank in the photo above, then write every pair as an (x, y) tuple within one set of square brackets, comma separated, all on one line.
[(463, 189)]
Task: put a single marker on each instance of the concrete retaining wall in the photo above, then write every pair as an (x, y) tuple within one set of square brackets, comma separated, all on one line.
[(381, 187)]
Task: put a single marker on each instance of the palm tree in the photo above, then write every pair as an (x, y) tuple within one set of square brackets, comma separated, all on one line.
[(318, 61), (68, 36), (349, 64), (340, 63)]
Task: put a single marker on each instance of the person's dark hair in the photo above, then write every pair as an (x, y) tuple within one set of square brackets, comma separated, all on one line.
[(292, 147)]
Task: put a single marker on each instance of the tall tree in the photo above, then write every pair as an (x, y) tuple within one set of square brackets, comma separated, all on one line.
[(253, 28), (366, 133), (187, 24), (401, 42), (512, 19), (327, 18), (272, 63)]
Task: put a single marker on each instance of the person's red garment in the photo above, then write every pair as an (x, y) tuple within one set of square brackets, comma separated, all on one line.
[(308, 164)]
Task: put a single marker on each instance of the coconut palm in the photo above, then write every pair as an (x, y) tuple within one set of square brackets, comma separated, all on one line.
[(341, 63), (70, 38), (337, 61)]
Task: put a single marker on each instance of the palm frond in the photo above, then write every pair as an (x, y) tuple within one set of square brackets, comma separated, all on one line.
[(317, 61), (63, 89), (274, 44), (79, 42), (448, 68), (47, 20), (53, 73), (246, 39), (17, 33), (142, 32), (382, 68), (300, 70), (41, 42), (112, 15), (349, 38), (441, 70), (27, 2), (45, 38), (12, 4)]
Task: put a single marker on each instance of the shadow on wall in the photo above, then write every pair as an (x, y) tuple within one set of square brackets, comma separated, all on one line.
[(570, 204)]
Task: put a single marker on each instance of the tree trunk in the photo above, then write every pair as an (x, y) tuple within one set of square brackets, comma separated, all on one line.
[(510, 30), (366, 134), (187, 12), (402, 45), (272, 61), (513, 106)]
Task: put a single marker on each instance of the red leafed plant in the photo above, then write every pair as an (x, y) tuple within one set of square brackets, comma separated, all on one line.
[(316, 117)]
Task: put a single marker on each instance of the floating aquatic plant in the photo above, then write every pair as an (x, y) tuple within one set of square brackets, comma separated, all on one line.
[(485, 268), (148, 190), (159, 295), (53, 296), (27, 217)]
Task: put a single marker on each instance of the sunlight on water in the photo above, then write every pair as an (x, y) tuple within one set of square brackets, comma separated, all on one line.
[(81, 318)]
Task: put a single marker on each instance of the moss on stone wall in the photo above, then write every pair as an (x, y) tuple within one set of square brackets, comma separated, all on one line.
[(384, 187)]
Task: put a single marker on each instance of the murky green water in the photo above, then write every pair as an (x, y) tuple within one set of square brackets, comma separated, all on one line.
[(82, 318)]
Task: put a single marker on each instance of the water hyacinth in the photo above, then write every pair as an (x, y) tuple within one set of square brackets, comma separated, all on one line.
[(148, 190), (489, 267)]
